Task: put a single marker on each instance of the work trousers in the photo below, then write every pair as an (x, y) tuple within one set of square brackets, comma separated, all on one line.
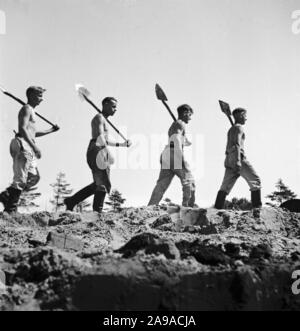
[(26, 174), (167, 173), (101, 176), (247, 172)]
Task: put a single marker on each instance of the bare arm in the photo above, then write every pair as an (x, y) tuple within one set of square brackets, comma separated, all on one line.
[(104, 136), (113, 143), (43, 133)]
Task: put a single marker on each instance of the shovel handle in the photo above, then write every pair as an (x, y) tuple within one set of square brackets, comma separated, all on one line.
[(230, 119), (108, 121), (23, 104), (15, 98), (169, 110)]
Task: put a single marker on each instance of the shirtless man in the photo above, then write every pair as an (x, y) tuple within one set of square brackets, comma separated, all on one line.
[(236, 163), (101, 173), (24, 151), (173, 162)]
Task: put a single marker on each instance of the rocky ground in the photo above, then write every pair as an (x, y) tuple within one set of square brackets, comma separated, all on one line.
[(150, 259)]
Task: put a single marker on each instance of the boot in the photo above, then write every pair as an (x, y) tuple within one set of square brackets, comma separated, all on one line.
[(99, 198), (81, 195), (256, 199), (12, 203), (220, 200), (4, 196)]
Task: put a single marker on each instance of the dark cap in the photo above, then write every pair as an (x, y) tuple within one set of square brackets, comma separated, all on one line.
[(239, 111), (184, 108), (35, 90)]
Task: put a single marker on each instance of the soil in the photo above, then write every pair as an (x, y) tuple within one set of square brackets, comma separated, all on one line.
[(141, 259)]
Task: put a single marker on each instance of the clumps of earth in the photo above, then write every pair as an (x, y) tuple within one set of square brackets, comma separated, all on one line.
[(150, 258)]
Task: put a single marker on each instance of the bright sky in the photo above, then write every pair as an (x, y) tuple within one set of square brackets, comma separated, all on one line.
[(199, 51)]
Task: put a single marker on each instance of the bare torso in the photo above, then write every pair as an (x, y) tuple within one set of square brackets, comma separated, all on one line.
[(30, 124), (177, 128), (99, 126)]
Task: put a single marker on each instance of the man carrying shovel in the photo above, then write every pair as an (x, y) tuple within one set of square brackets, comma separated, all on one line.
[(172, 158), (98, 158), (236, 163), (24, 150)]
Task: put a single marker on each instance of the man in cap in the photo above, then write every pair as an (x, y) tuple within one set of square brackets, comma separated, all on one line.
[(25, 151), (98, 159), (173, 162), (236, 163)]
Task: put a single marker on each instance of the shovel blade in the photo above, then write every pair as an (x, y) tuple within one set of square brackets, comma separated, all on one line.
[(2, 89), (225, 107), (160, 94), (82, 91)]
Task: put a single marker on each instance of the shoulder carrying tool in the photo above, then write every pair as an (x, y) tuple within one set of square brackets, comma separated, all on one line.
[(23, 103), (226, 110), (84, 94), (160, 94)]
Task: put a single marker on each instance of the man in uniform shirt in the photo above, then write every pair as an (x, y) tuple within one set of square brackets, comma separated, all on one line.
[(236, 163)]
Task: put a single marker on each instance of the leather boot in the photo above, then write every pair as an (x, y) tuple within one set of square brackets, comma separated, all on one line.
[(4, 196), (81, 195), (220, 200), (98, 202), (256, 199), (12, 203)]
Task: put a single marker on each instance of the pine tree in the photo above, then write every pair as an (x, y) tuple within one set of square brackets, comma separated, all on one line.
[(238, 204), (27, 198), (61, 190), (281, 194), (82, 206), (115, 200)]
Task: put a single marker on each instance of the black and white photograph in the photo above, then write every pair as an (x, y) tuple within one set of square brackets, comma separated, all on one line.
[(150, 158)]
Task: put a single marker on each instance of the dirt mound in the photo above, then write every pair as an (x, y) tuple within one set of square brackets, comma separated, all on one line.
[(292, 205), (148, 258)]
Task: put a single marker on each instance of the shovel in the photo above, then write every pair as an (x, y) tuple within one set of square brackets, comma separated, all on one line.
[(160, 94), (23, 104), (84, 94), (226, 110)]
